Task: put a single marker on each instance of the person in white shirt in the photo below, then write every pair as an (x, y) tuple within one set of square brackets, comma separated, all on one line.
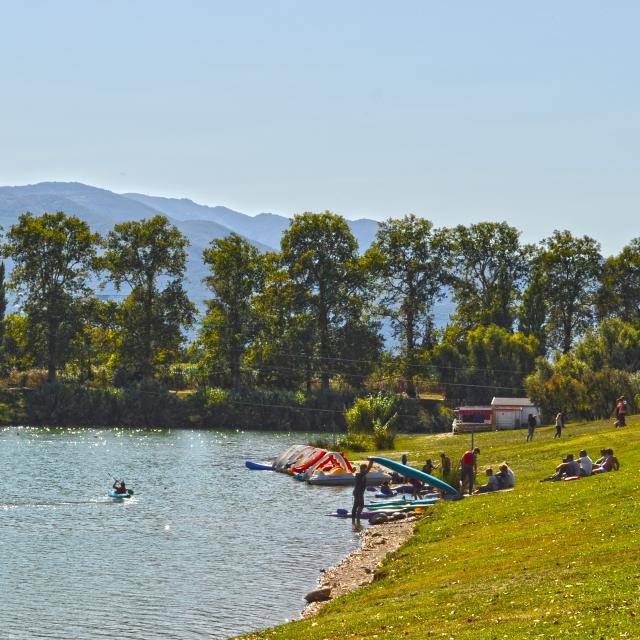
[(586, 464)]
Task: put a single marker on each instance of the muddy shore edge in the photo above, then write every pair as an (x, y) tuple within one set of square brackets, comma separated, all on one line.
[(358, 569)]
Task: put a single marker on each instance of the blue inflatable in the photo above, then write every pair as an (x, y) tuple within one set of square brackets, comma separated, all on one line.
[(256, 466), (119, 496)]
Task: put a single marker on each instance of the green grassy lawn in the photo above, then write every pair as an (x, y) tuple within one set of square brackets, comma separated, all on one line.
[(547, 560)]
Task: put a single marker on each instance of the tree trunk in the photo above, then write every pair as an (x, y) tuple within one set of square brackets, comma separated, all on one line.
[(323, 321), (52, 361), (410, 354), (147, 367)]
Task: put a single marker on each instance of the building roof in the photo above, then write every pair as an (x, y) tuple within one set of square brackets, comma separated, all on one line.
[(511, 402)]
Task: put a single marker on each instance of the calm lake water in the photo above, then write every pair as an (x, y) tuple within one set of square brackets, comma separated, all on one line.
[(205, 549)]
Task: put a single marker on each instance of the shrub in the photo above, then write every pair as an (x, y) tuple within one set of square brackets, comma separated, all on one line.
[(356, 442), (375, 417), (320, 443)]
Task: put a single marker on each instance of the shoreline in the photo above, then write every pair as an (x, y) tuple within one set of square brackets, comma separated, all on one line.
[(359, 568)]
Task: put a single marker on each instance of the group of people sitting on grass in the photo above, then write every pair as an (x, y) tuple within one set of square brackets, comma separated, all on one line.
[(504, 479), (584, 466)]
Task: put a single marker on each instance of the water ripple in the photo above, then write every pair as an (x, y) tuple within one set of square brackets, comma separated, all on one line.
[(205, 548)]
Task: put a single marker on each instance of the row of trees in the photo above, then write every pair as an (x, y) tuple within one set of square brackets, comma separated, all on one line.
[(57, 262), (312, 313)]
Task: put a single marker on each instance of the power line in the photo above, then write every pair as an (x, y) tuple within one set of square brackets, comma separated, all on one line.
[(415, 366)]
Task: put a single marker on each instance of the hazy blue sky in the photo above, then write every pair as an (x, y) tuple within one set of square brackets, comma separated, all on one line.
[(457, 111)]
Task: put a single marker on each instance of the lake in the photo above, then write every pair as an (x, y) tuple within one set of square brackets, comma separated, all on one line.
[(204, 549)]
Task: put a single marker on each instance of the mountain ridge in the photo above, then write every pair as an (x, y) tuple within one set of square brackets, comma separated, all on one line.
[(102, 209)]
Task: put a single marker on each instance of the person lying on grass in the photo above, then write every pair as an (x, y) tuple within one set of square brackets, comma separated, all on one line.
[(601, 459), (506, 477), (610, 463), (493, 483), (566, 469)]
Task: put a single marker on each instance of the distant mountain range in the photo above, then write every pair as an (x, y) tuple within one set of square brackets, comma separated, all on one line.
[(199, 223)]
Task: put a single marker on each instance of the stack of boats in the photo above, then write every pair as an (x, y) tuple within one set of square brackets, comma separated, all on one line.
[(331, 468), (322, 467)]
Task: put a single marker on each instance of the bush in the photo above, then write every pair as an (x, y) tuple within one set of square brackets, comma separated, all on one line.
[(356, 442), (320, 443), (384, 436), (374, 417)]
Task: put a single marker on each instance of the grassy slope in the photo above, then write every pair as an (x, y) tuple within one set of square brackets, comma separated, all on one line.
[(546, 560)]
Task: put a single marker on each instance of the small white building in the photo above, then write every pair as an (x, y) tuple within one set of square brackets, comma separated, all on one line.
[(513, 413)]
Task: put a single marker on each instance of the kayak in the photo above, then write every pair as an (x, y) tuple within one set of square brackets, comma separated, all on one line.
[(119, 496), (256, 466), (410, 472)]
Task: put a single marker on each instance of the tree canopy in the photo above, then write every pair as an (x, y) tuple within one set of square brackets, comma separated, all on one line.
[(53, 255), (149, 257)]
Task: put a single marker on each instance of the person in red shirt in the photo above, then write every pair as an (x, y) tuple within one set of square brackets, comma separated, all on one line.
[(119, 487), (468, 469)]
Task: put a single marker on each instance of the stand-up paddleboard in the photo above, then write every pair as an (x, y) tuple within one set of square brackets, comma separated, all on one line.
[(410, 472), (402, 503), (256, 466)]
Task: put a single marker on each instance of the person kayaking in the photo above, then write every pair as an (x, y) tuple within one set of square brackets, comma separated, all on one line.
[(120, 487)]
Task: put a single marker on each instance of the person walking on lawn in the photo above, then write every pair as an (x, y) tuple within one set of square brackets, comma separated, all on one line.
[(559, 425), (531, 423)]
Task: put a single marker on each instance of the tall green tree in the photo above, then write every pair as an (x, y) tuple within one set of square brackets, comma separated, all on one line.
[(474, 366), (408, 263), (570, 267), (237, 273), (532, 311), (149, 257), (282, 353), (619, 293), (615, 344), (53, 256), (3, 311), (489, 266), (329, 288)]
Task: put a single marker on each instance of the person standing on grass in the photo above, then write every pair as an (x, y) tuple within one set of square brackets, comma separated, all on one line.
[(621, 412), (468, 469), (559, 425), (358, 492), (531, 422), (445, 467)]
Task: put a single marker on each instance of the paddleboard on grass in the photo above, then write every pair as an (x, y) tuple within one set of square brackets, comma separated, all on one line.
[(410, 472)]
